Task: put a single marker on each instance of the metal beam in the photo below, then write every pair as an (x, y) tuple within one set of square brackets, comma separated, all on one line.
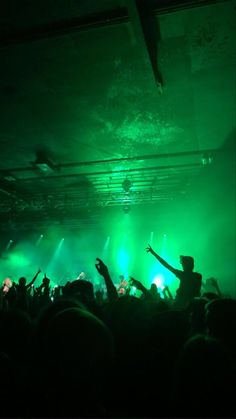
[(213, 152), (146, 39), (111, 172), (93, 21), (170, 6), (151, 34), (65, 27)]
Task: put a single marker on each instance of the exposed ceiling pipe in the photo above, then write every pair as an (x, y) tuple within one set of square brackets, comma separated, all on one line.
[(116, 160), (109, 172)]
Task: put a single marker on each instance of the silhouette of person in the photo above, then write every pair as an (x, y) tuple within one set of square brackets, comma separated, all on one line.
[(7, 284), (22, 287), (190, 282)]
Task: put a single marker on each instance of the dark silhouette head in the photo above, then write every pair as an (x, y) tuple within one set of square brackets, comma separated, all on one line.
[(187, 263), (22, 281), (220, 321), (82, 287), (77, 345), (153, 289), (76, 353), (46, 281)]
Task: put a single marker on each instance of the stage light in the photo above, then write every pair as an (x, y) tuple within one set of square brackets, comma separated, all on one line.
[(55, 256), (151, 237), (158, 281), (126, 209), (9, 244), (43, 163), (207, 159), (39, 239), (126, 185), (123, 262)]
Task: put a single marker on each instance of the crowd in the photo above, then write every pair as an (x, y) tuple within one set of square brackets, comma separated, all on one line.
[(74, 352)]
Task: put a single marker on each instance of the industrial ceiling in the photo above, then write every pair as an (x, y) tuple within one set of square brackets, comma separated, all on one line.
[(110, 103)]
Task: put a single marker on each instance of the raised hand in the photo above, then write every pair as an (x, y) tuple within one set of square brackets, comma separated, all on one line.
[(149, 249), (101, 267), (103, 270), (213, 282), (135, 283)]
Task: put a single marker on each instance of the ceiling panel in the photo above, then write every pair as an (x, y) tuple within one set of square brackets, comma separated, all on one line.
[(87, 97)]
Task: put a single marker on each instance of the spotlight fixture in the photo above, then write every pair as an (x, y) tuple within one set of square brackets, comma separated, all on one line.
[(43, 163), (207, 159), (126, 185), (126, 209)]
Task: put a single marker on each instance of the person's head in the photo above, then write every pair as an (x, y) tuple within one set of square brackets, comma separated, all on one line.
[(77, 344), (83, 288), (203, 378), (22, 281), (187, 263), (153, 289), (7, 282), (46, 281), (220, 320)]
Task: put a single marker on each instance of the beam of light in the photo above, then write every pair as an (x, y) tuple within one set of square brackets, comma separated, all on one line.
[(55, 257), (9, 244), (151, 238), (123, 262), (106, 246), (58, 249), (39, 240), (164, 246), (151, 264), (157, 270), (122, 245), (169, 277), (159, 281)]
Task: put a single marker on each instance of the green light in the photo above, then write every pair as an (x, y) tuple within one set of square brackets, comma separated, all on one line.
[(106, 246), (39, 240), (9, 244), (159, 281), (18, 260), (151, 237), (123, 262), (54, 259)]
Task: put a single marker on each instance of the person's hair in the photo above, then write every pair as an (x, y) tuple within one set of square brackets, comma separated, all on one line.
[(22, 280), (187, 262)]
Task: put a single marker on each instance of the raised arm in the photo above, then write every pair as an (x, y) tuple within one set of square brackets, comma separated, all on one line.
[(34, 278), (149, 249), (167, 293), (102, 269), (214, 283), (139, 286)]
